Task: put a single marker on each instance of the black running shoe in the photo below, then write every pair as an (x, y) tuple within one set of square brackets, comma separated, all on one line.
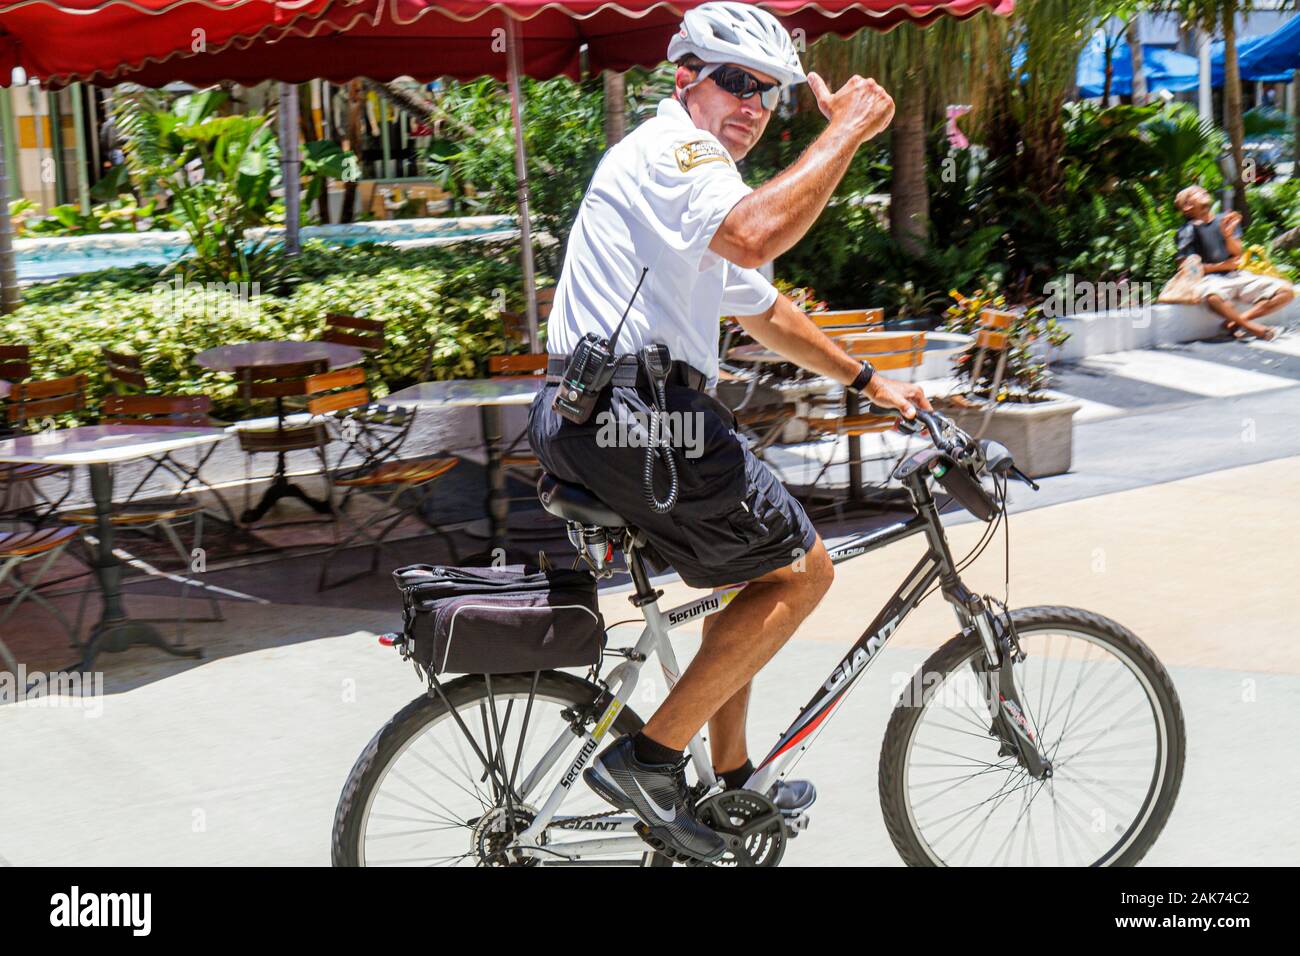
[(657, 794)]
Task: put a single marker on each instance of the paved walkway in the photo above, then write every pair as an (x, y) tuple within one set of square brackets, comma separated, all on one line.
[(240, 758)]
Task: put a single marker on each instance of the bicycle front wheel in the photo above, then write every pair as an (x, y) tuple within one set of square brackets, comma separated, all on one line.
[(430, 789), (1103, 709)]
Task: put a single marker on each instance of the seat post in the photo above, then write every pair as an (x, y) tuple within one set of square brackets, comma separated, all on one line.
[(644, 594)]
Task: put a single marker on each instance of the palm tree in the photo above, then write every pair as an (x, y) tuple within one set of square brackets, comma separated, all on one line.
[(1023, 112), (923, 69), (1215, 16)]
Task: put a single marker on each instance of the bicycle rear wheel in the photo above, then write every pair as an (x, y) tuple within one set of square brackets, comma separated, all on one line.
[(1103, 709), (422, 792)]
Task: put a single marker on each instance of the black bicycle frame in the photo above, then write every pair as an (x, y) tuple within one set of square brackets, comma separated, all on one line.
[(935, 567)]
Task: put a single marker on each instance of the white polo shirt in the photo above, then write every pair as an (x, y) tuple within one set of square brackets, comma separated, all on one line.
[(655, 202)]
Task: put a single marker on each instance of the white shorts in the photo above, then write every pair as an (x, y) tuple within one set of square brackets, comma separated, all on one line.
[(1245, 287)]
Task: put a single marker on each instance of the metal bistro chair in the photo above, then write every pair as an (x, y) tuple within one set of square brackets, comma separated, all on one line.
[(404, 486), (886, 352), (32, 407), (134, 405), (356, 331), (992, 342), (292, 430), (43, 547), (134, 515), (760, 411), (365, 334)]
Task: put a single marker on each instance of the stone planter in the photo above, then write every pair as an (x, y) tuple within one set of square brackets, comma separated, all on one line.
[(1040, 436)]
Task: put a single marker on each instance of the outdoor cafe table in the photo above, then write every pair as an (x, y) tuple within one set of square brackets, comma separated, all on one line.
[(227, 358), (489, 396), (99, 447)]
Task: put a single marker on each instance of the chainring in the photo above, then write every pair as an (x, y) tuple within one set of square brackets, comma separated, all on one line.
[(750, 824)]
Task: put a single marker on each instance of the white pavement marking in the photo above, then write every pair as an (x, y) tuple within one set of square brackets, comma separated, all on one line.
[(1090, 411), (1286, 345), (1185, 374)]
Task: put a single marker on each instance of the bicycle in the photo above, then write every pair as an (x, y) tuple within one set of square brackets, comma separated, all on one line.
[(1009, 688)]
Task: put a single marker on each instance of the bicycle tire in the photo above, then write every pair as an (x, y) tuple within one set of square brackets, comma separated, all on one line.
[(958, 651), (412, 719)]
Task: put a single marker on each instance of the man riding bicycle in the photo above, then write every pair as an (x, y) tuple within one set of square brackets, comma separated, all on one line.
[(670, 236)]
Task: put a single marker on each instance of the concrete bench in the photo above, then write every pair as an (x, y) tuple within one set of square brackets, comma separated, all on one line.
[(1096, 333)]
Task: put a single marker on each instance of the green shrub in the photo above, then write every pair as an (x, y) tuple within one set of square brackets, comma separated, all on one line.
[(447, 299)]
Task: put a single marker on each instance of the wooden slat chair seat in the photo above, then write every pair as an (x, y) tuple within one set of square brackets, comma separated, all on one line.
[(17, 548), (22, 544), (29, 406), (408, 472), (519, 461), (900, 350), (136, 513)]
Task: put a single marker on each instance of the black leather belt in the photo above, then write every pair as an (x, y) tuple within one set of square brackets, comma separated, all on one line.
[(629, 373)]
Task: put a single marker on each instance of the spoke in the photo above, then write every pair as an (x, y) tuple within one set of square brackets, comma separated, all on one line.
[(442, 773), (949, 753), (996, 798), (422, 792)]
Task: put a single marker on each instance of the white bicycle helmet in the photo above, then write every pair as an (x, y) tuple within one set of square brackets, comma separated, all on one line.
[(740, 33)]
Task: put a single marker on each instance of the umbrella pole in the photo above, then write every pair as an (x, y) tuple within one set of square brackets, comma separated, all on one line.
[(290, 165), (521, 174), (9, 297)]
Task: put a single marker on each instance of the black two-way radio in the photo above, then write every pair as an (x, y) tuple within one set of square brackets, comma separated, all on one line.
[(590, 368)]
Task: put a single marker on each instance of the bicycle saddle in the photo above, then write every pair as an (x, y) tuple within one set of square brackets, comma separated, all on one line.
[(575, 503)]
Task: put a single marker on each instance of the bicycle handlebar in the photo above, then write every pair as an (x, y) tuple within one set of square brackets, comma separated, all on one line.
[(962, 448)]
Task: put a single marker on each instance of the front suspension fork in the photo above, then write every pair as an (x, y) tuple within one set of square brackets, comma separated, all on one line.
[(994, 669)]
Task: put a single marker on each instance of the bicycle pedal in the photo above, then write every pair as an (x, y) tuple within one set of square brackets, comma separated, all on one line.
[(662, 848), (796, 823)]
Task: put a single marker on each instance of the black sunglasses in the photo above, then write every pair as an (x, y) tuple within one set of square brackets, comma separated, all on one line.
[(743, 84)]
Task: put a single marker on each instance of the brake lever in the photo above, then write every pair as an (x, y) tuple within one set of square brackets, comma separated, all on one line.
[(1021, 476)]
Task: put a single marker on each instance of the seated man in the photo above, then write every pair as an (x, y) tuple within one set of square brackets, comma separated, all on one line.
[(1217, 241)]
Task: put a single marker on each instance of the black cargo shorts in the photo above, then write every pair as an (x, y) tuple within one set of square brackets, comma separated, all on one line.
[(734, 520)]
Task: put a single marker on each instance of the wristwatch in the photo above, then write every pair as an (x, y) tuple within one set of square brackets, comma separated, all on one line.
[(864, 377)]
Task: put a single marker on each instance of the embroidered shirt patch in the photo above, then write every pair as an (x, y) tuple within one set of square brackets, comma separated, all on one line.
[(690, 155)]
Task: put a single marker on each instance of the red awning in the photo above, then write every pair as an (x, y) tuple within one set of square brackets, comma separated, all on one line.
[(74, 39), (150, 41)]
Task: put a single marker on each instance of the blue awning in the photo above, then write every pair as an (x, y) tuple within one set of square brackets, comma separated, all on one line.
[(1163, 68), (1266, 59)]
